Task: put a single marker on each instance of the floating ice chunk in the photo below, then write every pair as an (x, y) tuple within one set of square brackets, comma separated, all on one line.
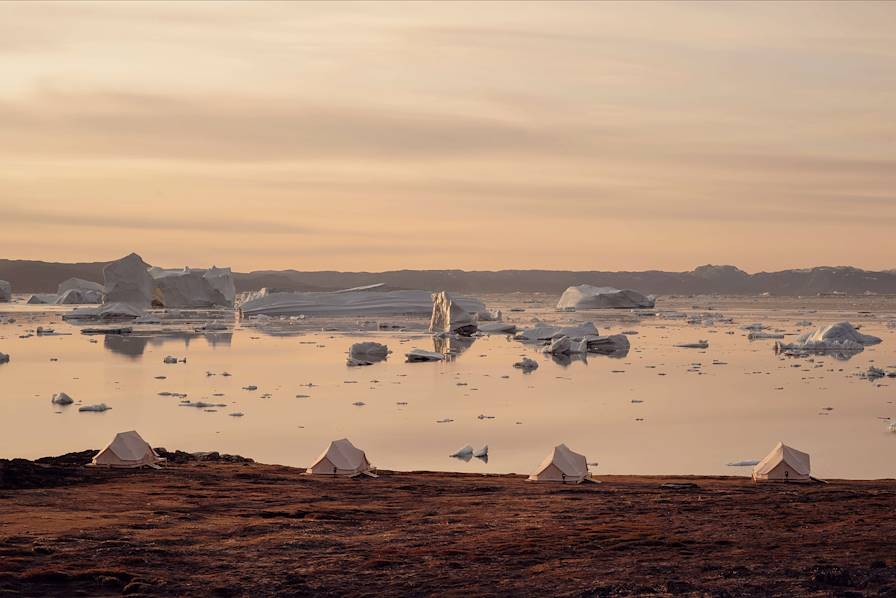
[(173, 359), (236, 414), (701, 344), (61, 398), (544, 333), (615, 345), (99, 407), (892, 427), (753, 336), (418, 355), (463, 453), (841, 336), (481, 453), (107, 311), (567, 346), (148, 319), (497, 328), (4, 357), (875, 373), (756, 327), (250, 387), (585, 296), (78, 296), (747, 463), (448, 316), (526, 364), (367, 353)]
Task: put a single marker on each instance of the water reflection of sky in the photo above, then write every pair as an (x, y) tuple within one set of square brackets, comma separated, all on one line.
[(658, 409)]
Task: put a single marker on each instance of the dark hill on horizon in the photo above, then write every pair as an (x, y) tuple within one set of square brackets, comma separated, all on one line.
[(28, 276)]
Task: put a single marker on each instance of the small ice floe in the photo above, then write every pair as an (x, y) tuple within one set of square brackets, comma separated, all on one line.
[(747, 463), (236, 414), (465, 453), (359, 403), (482, 416), (526, 364), (211, 327), (367, 353), (447, 420), (41, 331), (173, 359), (303, 396), (61, 398), (99, 408), (892, 427), (168, 393), (497, 328), (148, 319), (419, 355), (225, 374), (481, 453), (200, 404), (754, 327), (755, 336), (803, 323), (701, 344), (250, 387), (874, 373), (4, 358)]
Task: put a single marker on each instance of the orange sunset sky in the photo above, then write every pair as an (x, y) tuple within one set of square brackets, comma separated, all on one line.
[(381, 136)]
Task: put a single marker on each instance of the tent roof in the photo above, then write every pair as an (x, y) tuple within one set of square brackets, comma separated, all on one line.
[(797, 460), (343, 455), (129, 446), (567, 461)]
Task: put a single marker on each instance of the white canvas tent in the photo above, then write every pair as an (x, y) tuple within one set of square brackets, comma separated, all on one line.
[(784, 464), (127, 449), (342, 458), (562, 465)]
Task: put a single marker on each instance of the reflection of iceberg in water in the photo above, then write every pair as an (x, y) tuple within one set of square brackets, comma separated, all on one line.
[(134, 345), (567, 359), (452, 345)]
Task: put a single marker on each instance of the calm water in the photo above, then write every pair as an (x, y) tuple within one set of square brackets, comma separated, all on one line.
[(658, 410)]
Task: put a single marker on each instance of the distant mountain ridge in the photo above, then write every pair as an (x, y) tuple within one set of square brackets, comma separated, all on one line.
[(27, 276)]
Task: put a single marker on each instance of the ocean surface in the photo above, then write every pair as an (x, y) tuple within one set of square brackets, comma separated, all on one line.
[(658, 410)]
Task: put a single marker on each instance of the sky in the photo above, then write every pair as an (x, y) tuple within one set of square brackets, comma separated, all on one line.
[(380, 136)]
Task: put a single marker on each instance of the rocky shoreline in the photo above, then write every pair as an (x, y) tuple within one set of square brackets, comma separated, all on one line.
[(222, 525)]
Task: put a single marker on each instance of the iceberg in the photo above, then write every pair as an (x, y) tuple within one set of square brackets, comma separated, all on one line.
[(192, 287), (701, 344), (585, 296), (5, 291), (368, 351), (841, 336), (79, 296), (350, 302), (127, 281), (42, 299), (61, 398), (450, 317), (526, 364)]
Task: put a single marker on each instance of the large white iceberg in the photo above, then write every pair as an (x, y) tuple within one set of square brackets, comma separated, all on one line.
[(127, 281), (365, 301), (841, 336), (585, 296), (449, 316), (5, 291), (191, 287)]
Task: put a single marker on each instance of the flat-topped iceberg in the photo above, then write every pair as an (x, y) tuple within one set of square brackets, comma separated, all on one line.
[(106, 311), (585, 296), (546, 333), (364, 301), (841, 336)]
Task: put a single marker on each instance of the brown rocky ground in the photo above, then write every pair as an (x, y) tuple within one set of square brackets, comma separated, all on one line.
[(221, 527)]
